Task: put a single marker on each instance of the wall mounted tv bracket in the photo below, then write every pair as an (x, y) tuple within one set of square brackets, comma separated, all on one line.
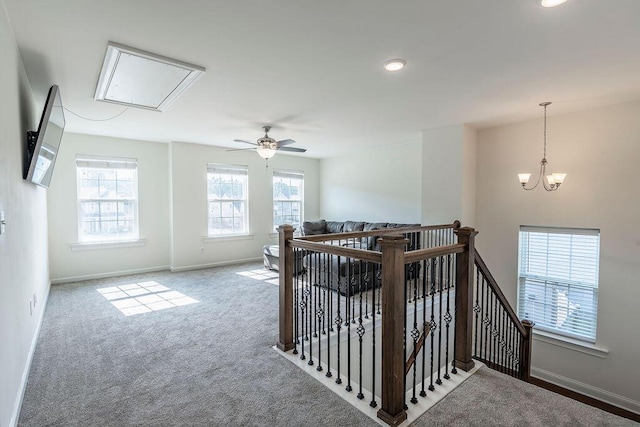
[(32, 139)]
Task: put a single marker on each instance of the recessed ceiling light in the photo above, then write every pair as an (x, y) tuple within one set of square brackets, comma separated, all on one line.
[(550, 3), (141, 79), (395, 64)]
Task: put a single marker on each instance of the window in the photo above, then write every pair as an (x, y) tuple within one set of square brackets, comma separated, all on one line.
[(287, 198), (227, 188), (107, 199), (558, 280)]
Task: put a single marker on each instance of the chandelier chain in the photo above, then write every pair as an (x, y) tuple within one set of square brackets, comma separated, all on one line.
[(544, 156)]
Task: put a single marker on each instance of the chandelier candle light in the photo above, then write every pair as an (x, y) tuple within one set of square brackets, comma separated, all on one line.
[(554, 179)]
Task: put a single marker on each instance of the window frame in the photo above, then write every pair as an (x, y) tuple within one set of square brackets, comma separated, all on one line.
[(291, 174), (558, 282), (221, 168), (106, 163)]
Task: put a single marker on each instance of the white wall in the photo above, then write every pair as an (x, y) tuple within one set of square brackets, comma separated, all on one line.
[(153, 210), (448, 175), (378, 185), (23, 246), (189, 203), (599, 149)]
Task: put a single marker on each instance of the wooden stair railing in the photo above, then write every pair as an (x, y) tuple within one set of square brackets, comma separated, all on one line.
[(486, 327), (501, 340)]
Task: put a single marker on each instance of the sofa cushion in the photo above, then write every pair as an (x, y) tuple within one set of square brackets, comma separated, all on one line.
[(353, 226), (310, 228), (334, 227)]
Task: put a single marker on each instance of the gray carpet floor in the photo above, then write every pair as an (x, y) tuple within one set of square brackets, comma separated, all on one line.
[(211, 364)]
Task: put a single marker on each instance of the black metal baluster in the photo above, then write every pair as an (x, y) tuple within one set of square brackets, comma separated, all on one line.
[(513, 340), (361, 331), (303, 306), (442, 267), (496, 325), (319, 315), (310, 319), (373, 402), (295, 312), (486, 321), (348, 325), (447, 318), (328, 313), (432, 322), (502, 339), (355, 283), (338, 323), (476, 310), (313, 310), (491, 327), (366, 295), (425, 272)]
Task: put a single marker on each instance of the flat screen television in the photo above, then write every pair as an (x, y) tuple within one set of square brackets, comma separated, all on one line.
[(43, 144)]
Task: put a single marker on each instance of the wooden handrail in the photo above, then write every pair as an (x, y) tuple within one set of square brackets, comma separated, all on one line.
[(420, 254), (379, 232), (361, 254), (496, 289)]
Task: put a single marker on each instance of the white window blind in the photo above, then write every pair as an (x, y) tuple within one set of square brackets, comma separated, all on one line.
[(227, 189), (107, 199), (558, 280), (288, 192)]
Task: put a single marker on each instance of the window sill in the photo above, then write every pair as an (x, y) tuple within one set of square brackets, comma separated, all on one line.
[(90, 246), (571, 344), (213, 239)]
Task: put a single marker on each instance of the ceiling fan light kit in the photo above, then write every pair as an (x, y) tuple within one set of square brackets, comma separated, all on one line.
[(554, 179), (266, 147), (266, 152)]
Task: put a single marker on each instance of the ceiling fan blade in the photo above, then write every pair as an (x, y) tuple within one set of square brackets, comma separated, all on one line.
[(285, 142), (293, 149), (246, 142), (241, 149)]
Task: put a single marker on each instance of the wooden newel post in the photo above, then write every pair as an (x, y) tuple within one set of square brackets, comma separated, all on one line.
[(393, 324), (285, 265), (464, 300), (525, 352)]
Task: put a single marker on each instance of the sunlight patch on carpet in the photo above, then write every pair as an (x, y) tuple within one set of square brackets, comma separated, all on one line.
[(144, 297), (268, 276)]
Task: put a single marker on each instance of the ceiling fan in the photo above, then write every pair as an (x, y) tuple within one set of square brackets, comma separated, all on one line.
[(267, 146)]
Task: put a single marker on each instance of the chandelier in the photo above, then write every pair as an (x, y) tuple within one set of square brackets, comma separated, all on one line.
[(553, 180)]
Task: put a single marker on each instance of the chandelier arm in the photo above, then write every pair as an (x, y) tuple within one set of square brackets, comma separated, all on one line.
[(539, 178)]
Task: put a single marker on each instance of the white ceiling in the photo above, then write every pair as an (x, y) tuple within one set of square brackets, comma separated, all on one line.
[(313, 69)]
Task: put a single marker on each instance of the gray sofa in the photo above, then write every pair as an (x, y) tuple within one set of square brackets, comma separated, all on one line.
[(349, 277)]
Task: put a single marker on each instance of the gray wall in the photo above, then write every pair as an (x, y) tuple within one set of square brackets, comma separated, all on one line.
[(377, 185), (599, 150), (153, 210), (172, 207), (23, 247), (190, 246)]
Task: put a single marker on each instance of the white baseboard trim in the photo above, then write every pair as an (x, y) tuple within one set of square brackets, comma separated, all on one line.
[(587, 390), (109, 274), (27, 367), (214, 264)]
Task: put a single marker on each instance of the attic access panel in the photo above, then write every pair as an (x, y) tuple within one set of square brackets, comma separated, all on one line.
[(140, 79)]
